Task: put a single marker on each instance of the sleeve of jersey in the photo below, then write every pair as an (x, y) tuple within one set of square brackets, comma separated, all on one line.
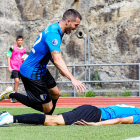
[(136, 119), (9, 54), (53, 41)]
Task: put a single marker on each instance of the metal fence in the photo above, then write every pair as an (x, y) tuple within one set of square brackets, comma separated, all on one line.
[(89, 81), (87, 71)]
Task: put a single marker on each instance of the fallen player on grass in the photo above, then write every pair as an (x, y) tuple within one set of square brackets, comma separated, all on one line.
[(82, 115)]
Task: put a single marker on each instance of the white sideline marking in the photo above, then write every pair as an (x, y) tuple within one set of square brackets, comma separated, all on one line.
[(135, 138)]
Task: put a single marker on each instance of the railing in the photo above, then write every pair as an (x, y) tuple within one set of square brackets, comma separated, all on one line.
[(88, 66), (105, 81), (90, 81)]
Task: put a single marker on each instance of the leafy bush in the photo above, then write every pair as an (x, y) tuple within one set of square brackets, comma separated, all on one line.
[(90, 94), (96, 78), (126, 93), (64, 95), (81, 94)]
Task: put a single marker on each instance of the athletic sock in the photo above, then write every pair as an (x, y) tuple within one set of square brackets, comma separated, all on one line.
[(24, 100), (54, 105), (30, 118)]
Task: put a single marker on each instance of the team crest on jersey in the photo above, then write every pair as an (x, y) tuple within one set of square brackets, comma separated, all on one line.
[(55, 42), (43, 96)]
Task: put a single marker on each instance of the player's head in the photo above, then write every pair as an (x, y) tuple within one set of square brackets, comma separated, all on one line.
[(72, 19), (19, 40)]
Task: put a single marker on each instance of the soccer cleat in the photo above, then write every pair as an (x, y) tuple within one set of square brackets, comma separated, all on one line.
[(5, 93), (5, 118)]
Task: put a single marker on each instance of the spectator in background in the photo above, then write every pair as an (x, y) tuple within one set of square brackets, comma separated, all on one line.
[(16, 55)]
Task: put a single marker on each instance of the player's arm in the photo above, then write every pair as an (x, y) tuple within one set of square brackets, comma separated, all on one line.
[(9, 54), (52, 61), (126, 120), (61, 65), (53, 41), (59, 70)]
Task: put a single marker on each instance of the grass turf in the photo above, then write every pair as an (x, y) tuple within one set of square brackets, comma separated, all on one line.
[(37, 132)]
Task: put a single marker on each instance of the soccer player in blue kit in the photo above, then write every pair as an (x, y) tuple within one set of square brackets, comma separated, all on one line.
[(42, 91), (82, 115)]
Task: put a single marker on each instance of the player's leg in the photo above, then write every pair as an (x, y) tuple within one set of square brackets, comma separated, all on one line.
[(6, 118), (55, 93), (16, 76), (15, 89), (38, 96), (51, 120), (25, 100), (9, 93), (47, 107), (86, 112), (52, 88), (16, 84)]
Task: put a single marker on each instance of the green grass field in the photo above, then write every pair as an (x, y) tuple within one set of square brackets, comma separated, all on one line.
[(40, 132)]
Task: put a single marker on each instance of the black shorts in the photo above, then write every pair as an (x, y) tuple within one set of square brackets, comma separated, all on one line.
[(88, 113), (37, 90), (15, 74)]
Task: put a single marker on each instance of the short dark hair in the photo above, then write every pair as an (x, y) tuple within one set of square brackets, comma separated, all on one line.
[(71, 14), (19, 37)]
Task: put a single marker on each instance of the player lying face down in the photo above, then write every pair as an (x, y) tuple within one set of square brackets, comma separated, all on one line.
[(82, 115)]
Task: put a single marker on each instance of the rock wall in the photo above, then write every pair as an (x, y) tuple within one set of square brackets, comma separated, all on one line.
[(112, 25)]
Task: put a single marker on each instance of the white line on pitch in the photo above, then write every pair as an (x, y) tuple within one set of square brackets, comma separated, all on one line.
[(135, 138)]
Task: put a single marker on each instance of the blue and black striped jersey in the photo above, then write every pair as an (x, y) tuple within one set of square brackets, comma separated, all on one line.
[(34, 67)]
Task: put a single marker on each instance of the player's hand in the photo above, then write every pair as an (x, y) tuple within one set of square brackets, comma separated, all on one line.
[(78, 85), (10, 69), (82, 122)]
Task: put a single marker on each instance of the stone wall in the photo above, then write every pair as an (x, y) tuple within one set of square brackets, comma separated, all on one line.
[(112, 25)]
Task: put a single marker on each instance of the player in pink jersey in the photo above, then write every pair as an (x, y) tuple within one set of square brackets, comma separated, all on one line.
[(15, 55)]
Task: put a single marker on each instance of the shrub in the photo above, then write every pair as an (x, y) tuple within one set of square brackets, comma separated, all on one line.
[(64, 95), (90, 94), (96, 78), (127, 93), (81, 94)]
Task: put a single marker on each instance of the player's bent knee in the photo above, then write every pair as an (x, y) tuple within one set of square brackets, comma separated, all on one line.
[(47, 109), (56, 96), (59, 93), (55, 93)]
